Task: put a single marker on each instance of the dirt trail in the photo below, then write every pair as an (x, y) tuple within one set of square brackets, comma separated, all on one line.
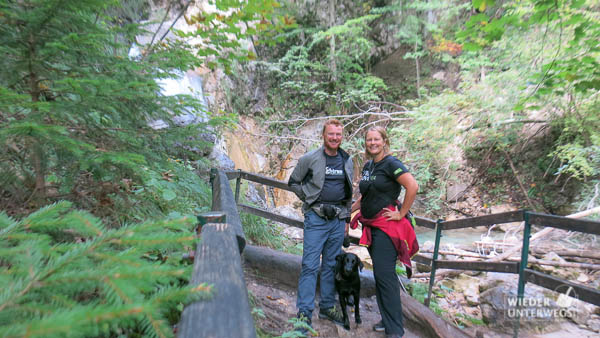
[(278, 303)]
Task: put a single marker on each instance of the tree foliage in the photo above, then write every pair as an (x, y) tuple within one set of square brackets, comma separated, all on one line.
[(546, 54), (305, 75), (75, 109), (66, 274)]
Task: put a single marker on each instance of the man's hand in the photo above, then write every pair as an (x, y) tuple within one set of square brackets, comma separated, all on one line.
[(346, 243)]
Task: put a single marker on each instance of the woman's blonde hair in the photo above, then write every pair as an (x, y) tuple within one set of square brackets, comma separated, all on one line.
[(384, 136)]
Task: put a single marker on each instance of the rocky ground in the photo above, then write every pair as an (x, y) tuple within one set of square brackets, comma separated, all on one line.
[(274, 305), (277, 304)]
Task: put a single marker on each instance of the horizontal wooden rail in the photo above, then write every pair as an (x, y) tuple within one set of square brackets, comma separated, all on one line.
[(420, 258), (425, 222), (582, 292), (504, 217), (565, 223), (280, 218), (269, 215), (232, 174), (258, 179), (509, 267)]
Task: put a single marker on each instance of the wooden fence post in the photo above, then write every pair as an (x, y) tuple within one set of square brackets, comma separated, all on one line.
[(224, 201)]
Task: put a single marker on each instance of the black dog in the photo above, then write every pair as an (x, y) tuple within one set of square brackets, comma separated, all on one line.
[(347, 283)]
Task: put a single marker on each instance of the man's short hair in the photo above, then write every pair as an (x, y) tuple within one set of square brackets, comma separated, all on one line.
[(331, 122)]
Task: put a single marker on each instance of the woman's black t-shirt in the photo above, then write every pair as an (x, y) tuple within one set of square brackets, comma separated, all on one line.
[(378, 185)]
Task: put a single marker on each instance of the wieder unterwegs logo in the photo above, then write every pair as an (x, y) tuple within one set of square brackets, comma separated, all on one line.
[(543, 308)]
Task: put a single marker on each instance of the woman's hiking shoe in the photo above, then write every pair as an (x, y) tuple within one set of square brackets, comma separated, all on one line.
[(379, 327), (303, 328), (332, 314)]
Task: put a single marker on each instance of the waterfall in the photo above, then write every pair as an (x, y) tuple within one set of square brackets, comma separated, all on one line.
[(189, 83)]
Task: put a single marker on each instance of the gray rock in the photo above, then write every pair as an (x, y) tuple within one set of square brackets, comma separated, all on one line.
[(537, 313), (456, 191), (221, 160)]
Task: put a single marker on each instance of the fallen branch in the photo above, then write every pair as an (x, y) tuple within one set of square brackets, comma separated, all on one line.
[(514, 170), (305, 119), (567, 252), (441, 273), (539, 251), (455, 253)]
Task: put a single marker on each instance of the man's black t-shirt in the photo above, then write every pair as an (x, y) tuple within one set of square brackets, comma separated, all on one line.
[(334, 190), (378, 185)]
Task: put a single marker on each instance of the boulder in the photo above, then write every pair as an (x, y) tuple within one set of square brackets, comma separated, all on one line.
[(455, 191), (538, 313), (221, 160)]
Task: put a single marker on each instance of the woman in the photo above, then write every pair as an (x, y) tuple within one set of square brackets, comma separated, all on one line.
[(386, 230)]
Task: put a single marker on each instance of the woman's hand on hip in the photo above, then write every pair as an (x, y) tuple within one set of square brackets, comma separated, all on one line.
[(392, 215)]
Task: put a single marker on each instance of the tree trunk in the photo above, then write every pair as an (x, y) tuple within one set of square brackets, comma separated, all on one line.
[(418, 69), (333, 64)]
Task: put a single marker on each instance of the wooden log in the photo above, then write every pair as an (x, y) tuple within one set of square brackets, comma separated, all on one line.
[(537, 251), (441, 273), (423, 320), (223, 200), (218, 263), (566, 252), (285, 268), (462, 253)]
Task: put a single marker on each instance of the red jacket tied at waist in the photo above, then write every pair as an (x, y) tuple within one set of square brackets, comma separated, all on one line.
[(400, 232)]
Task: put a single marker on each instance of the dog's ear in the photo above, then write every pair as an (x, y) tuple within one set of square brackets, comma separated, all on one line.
[(339, 257), (360, 264)]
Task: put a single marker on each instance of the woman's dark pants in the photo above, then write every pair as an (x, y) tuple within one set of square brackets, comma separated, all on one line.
[(387, 287)]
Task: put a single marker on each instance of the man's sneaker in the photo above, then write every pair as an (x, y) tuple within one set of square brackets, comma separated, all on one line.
[(379, 327), (332, 314), (306, 323)]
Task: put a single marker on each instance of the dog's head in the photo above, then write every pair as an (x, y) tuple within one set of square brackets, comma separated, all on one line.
[(347, 263)]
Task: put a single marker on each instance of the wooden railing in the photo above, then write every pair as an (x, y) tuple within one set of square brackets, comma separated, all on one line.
[(217, 262), (585, 293), (217, 259)]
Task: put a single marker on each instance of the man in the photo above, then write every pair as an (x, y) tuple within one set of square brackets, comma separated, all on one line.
[(323, 181)]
